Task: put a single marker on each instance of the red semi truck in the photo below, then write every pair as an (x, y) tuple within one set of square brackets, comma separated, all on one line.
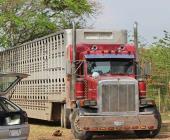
[(87, 77), (107, 93)]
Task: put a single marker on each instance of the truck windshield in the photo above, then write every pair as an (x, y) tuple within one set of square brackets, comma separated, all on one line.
[(112, 66)]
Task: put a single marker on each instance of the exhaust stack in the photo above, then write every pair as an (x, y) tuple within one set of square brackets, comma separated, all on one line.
[(136, 40), (73, 66)]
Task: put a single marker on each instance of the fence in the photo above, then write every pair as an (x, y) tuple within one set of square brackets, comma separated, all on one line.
[(159, 90)]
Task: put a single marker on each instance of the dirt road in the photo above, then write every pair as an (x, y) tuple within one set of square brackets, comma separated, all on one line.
[(45, 132)]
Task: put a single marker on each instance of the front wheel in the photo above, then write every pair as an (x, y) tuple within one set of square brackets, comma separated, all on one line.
[(150, 133), (78, 133)]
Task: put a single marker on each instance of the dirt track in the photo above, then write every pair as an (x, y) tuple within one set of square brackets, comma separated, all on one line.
[(45, 132)]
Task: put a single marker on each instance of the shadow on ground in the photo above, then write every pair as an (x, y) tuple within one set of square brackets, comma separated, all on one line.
[(43, 122)]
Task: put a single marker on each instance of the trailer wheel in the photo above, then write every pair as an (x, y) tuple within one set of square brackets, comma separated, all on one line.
[(65, 122), (78, 133), (66, 117), (62, 116), (150, 133)]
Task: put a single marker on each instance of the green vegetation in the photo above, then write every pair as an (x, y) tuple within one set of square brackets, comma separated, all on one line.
[(24, 20), (159, 56)]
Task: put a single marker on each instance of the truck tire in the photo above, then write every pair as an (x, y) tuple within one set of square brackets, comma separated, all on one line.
[(150, 133), (79, 134), (65, 113)]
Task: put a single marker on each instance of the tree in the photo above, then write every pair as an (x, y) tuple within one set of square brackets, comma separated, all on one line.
[(23, 20), (159, 56)]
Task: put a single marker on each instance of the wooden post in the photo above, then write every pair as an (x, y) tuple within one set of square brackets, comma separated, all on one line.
[(159, 96)]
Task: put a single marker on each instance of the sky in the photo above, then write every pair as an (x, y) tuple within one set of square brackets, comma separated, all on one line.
[(153, 16)]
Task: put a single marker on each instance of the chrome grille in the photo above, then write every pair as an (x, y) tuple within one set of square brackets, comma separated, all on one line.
[(117, 96)]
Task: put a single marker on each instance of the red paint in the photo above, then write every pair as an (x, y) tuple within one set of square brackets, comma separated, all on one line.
[(142, 89), (83, 49), (91, 87), (79, 88)]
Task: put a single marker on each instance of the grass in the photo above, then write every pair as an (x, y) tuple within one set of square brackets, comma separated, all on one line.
[(165, 116)]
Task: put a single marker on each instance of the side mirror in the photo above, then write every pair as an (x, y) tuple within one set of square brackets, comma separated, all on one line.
[(147, 69)]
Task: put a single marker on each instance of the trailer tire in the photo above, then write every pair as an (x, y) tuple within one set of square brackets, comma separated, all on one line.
[(66, 117), (62, 116), (65, 113), (79, 134), (150, 133)]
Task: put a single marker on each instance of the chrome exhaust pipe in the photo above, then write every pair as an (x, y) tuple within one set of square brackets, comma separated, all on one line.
[(73, 66), (136, 40)]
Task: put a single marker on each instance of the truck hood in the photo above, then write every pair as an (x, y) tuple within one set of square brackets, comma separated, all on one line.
[(9, 80), (95, 81)]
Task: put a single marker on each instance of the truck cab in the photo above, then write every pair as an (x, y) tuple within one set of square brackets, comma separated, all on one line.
[(109, 93)]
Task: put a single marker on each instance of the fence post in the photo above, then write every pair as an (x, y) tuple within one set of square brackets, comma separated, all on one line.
[(159, 96)]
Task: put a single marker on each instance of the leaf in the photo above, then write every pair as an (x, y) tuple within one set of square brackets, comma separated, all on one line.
[(24, 20)]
